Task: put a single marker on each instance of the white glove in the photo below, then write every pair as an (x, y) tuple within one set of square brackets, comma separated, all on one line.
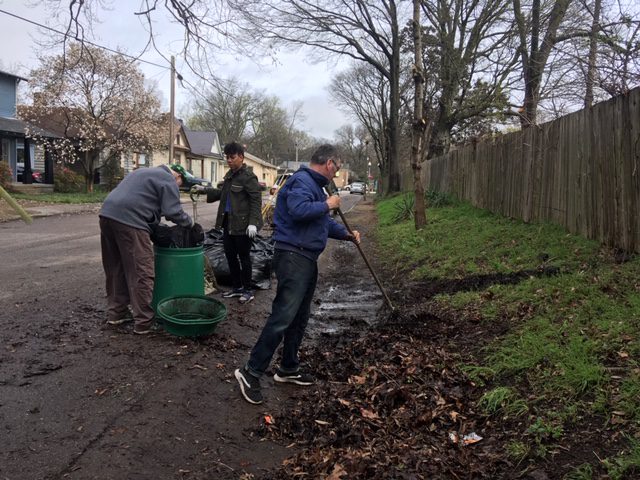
[(198, 189), (251, 231)]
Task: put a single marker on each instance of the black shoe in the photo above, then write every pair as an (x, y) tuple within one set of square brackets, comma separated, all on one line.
[(249, 386), (236, 292), (299, 378), (246, 296)]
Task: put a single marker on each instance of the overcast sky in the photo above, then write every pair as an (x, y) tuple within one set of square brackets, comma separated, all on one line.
[(292, 79)]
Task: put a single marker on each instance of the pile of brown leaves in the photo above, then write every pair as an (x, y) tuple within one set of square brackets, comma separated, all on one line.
[(393, 405)]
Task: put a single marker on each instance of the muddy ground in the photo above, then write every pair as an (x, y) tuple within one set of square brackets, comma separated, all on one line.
[(82, 400)]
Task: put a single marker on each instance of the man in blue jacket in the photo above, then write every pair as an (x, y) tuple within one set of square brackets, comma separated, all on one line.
[(302, 226)]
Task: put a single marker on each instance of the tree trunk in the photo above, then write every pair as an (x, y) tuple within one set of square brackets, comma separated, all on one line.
[(419, 123), (440, 140), (90, 160), (534, 63), (394, 115), (593, 53)]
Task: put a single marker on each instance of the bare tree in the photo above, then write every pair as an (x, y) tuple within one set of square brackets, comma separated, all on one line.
[(469, 60), (618, 64), (593, 54), (363, 92), (229, 110), (538, 34), (353, 142), (237, 113), (207, 26), (367, 32)]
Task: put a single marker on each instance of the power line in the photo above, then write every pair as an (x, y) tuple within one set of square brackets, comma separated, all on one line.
[(67, 35), (192, 88)]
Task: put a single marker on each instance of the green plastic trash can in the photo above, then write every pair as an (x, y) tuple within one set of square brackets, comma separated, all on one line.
[(179, 271)]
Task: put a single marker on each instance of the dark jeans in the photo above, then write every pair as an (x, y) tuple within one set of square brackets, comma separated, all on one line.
[(297, 277), (238, 247)]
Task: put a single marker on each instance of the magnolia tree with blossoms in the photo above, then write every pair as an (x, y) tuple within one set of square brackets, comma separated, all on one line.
[(97, 103)]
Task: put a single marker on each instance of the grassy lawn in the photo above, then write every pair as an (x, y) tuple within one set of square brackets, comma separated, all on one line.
[(572, 342), (96, 197)]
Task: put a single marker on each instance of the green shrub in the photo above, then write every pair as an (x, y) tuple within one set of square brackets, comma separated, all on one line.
[(112, 173), (404, 210), (6, 177), (66, 180), (437, 199)]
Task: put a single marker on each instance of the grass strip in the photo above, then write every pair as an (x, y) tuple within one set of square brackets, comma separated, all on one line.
[(571, 311)]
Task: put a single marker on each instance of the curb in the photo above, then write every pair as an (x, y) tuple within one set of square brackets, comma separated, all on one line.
[(55, 210)]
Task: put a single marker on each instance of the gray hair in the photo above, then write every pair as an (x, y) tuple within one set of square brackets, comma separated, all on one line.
[(324, 153)]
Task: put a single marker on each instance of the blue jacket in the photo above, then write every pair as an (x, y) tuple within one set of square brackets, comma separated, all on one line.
[(302, 221)]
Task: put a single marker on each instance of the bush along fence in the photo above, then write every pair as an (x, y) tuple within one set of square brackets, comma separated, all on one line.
[(581, 171)]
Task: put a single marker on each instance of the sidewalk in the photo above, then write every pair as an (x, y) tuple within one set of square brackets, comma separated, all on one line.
[(36, 209), (42, 209)]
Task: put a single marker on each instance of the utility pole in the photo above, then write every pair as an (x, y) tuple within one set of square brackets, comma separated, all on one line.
[(296, 152), (172, 102)]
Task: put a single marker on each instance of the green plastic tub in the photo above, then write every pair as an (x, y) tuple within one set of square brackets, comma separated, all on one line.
[(191, 315), (179, 271)]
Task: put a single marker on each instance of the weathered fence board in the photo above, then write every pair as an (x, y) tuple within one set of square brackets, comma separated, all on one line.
[(581, 171)]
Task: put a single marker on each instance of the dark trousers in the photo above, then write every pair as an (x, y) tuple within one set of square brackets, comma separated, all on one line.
[(127, 259), (237, 250), (297, 277)]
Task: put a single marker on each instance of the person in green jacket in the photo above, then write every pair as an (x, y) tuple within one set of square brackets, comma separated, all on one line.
[(239, 217)]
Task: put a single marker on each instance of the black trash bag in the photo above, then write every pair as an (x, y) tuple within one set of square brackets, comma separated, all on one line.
[(177, 237), (261, 256)]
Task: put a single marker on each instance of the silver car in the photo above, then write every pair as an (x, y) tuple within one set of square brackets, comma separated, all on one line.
[(358, 187)]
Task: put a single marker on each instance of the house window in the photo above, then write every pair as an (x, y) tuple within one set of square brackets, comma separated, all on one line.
[(20, 153), (4, 150), (142, 159), (177, 139)]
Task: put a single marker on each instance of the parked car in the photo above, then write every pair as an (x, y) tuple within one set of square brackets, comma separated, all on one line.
[(189, 181), (36, 176), (358, 187)]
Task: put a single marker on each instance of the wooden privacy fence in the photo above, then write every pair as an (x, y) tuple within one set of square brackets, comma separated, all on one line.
[(580, 171)]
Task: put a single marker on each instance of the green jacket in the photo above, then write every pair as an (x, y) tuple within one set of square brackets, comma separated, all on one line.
[(243, 191)]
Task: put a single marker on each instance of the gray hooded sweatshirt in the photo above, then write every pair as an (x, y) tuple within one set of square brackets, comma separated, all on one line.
[(143, 197)]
